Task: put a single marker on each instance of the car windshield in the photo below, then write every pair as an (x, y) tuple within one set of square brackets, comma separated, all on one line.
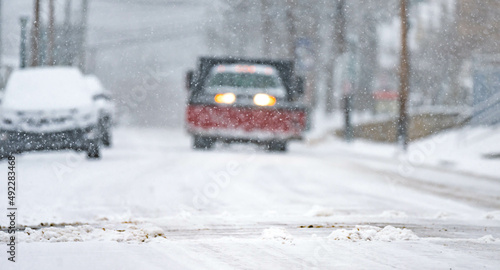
[(245, 83), (243, 80)]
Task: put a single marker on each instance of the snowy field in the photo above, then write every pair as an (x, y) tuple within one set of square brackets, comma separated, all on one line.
[(153, 203)]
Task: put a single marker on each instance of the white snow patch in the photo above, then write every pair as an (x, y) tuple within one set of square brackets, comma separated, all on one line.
[(488, 239), (185, 214), (320, 211), (394, 214), (277, 234), (373, 233), (270, 213), (84, 233), (442, 215)]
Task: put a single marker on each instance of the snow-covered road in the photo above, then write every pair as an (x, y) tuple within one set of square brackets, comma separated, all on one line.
[(153, 203)]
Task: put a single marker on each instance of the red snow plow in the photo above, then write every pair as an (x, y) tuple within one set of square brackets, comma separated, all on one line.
[(245, 100)]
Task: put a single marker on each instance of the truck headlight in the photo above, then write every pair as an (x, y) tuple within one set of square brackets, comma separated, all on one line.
[(227, 98), (264, 100)]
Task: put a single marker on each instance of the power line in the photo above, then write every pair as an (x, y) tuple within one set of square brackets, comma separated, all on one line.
[(141, 40), (162, 3)]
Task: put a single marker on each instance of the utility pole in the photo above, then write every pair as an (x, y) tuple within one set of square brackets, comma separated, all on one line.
[(83, 35), (51, 50), (330, 66), (347, 82), (1, 24), (23, 51), (266, 28), (67, 53), (404, 75), (67, 13), (341, 27), (35, 35), (338, 49), (291, 29)]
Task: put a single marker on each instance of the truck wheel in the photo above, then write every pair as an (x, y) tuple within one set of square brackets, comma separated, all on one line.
[(94, 151), (201, 142), (277, 146), (104, 127)]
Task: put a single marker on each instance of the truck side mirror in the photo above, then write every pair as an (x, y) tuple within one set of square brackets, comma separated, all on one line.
[(299, 86), (189, 79)]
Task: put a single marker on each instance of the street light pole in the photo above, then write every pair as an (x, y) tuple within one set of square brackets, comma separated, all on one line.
[(404, 75)]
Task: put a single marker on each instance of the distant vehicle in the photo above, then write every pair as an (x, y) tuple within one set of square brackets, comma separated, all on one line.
[(104, 102), (245, 100), (48, 109)]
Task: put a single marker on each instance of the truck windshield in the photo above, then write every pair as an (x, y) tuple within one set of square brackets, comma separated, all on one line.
[(243, 80)]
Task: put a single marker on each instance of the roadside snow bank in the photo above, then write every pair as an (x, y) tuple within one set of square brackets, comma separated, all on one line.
[(372, 233), (84, 233), (277, 234)]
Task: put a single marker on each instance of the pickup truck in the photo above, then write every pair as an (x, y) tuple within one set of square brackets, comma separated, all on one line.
[(245, 100)]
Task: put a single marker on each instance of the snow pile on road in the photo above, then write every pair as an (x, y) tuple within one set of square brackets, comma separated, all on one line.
[(84, 233), (442, 215), (320, 211), (394, 214), (495, 215), (277, 234), (373, 233), (488, 239)]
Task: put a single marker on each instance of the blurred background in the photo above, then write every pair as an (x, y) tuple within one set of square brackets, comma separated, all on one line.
[(140, 49)]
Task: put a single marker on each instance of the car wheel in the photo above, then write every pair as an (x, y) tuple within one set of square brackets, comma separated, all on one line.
[(277, 146), (204, 143), (94, 151), (4, 156), (106, 138)]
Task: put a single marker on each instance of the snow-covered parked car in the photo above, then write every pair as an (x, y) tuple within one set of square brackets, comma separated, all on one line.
[(48, 108), (104, 102)]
